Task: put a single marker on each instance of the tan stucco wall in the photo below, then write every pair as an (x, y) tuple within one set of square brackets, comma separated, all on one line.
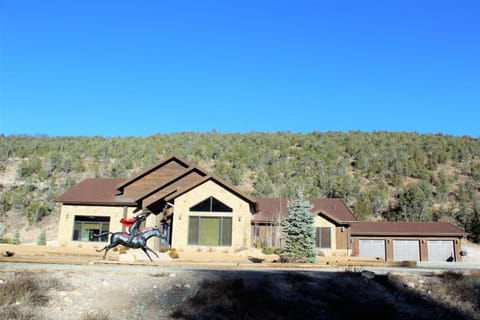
[(241, 217), (336, 237), (67, 218)]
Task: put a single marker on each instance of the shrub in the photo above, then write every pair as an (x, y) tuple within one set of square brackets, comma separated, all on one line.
[(163, 249), (96, 315), (36, 210), (16, 237), (174, 254), (20, 294), (42, 239), (29, 167), (6, 240), (270, 250)]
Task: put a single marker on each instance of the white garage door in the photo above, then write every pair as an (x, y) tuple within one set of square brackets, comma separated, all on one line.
[(440, 250), (372, 248), (406, 250)]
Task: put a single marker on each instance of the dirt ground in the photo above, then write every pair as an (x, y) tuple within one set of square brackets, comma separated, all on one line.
[(97, 293), (128, 286), (107, 292)]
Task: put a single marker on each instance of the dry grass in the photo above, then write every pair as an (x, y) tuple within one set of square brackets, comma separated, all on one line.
[(22, 293), (274, 295), (298, 295), (459, 291), (96, 315)]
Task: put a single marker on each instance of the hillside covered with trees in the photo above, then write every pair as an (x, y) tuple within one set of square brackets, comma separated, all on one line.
[(395, 176)]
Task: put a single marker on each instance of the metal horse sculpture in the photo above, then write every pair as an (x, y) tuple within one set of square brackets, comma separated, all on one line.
[(139, 241)]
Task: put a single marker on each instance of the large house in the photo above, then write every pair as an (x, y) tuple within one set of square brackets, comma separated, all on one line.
[(202, 212)]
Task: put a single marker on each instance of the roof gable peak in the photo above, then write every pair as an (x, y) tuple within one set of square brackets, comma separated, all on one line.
[(171, 181), (159, 165)]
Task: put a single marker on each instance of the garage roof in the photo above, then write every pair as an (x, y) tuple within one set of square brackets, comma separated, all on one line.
[(384, 228)]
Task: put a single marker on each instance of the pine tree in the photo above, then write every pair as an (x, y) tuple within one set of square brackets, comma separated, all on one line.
[(473, 226), (42, 238), (16, 237), (299, 232)]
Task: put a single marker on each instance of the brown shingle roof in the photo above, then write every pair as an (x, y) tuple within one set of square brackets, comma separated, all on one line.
[(168, 183), (181, 180), (181, 166), (384, 228), (95, 191), (334, 209)]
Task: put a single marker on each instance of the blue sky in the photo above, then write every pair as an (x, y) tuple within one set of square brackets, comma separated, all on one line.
[(136, 68)]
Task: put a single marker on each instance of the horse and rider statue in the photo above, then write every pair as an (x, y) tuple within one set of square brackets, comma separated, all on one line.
[(135, 239)]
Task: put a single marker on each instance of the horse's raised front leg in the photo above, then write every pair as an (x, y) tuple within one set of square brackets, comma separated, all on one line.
[(152, 251), (144, 248)]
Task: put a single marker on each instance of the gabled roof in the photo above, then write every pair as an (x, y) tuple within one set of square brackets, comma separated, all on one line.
[(182, 179), (222, 183), (333, 208), (154, 167), (273, 209), (169, 182), (384, 228), (96, 192)]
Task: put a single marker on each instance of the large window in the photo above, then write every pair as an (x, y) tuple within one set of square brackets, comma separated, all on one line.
[(210, 231), (86, 226), (323, 238), (211, 205)]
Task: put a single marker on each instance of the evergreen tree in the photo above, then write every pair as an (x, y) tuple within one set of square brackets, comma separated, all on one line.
[(16, 237), (42, 238), (473, 226), (299, 232)]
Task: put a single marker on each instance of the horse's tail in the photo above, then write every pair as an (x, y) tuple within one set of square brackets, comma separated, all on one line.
[(102, 234)]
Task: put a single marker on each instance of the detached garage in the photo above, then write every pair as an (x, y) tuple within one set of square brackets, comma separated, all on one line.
[(401, 241)]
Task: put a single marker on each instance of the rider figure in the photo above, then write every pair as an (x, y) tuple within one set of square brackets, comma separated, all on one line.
[(133, 225)]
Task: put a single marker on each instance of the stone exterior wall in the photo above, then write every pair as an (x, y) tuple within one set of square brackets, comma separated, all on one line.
[(241, 217), (67, 219)]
